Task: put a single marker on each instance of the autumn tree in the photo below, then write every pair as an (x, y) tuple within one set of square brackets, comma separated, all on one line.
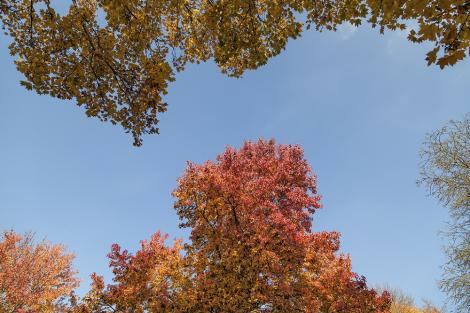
[(119, 69), (33, 277), (404, 303), (251, 247), (445, 170), (152, 280)]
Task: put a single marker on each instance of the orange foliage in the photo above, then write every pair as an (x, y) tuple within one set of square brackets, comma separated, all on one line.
[(33, 278)]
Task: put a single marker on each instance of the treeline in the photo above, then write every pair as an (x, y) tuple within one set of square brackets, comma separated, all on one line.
[(251, 249)]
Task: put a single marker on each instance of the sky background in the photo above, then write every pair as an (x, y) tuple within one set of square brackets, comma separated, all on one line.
[(359, 103)]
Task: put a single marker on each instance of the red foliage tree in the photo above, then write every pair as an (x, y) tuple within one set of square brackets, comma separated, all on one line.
[(251, 246)]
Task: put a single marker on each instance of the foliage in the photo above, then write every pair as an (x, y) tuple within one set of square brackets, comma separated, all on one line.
[(119, 70), (446, 171), (404, 303), (149, 281), (33, 277), (445, 23), (404, 308), (251, 247)]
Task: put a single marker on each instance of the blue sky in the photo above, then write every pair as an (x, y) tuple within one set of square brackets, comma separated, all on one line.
[(359, 104)]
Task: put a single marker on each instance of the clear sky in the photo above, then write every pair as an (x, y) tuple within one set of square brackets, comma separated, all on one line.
[(359, 104)]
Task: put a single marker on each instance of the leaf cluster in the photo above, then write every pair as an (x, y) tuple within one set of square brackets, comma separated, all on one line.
[(119, 69)]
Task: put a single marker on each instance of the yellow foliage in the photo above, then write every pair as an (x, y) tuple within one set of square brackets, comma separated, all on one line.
[(120, 71)]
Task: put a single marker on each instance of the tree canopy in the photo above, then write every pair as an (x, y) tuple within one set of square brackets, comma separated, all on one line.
[(251, 247), (118, 68), (34, 277), (445, 170), (404, 303)]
